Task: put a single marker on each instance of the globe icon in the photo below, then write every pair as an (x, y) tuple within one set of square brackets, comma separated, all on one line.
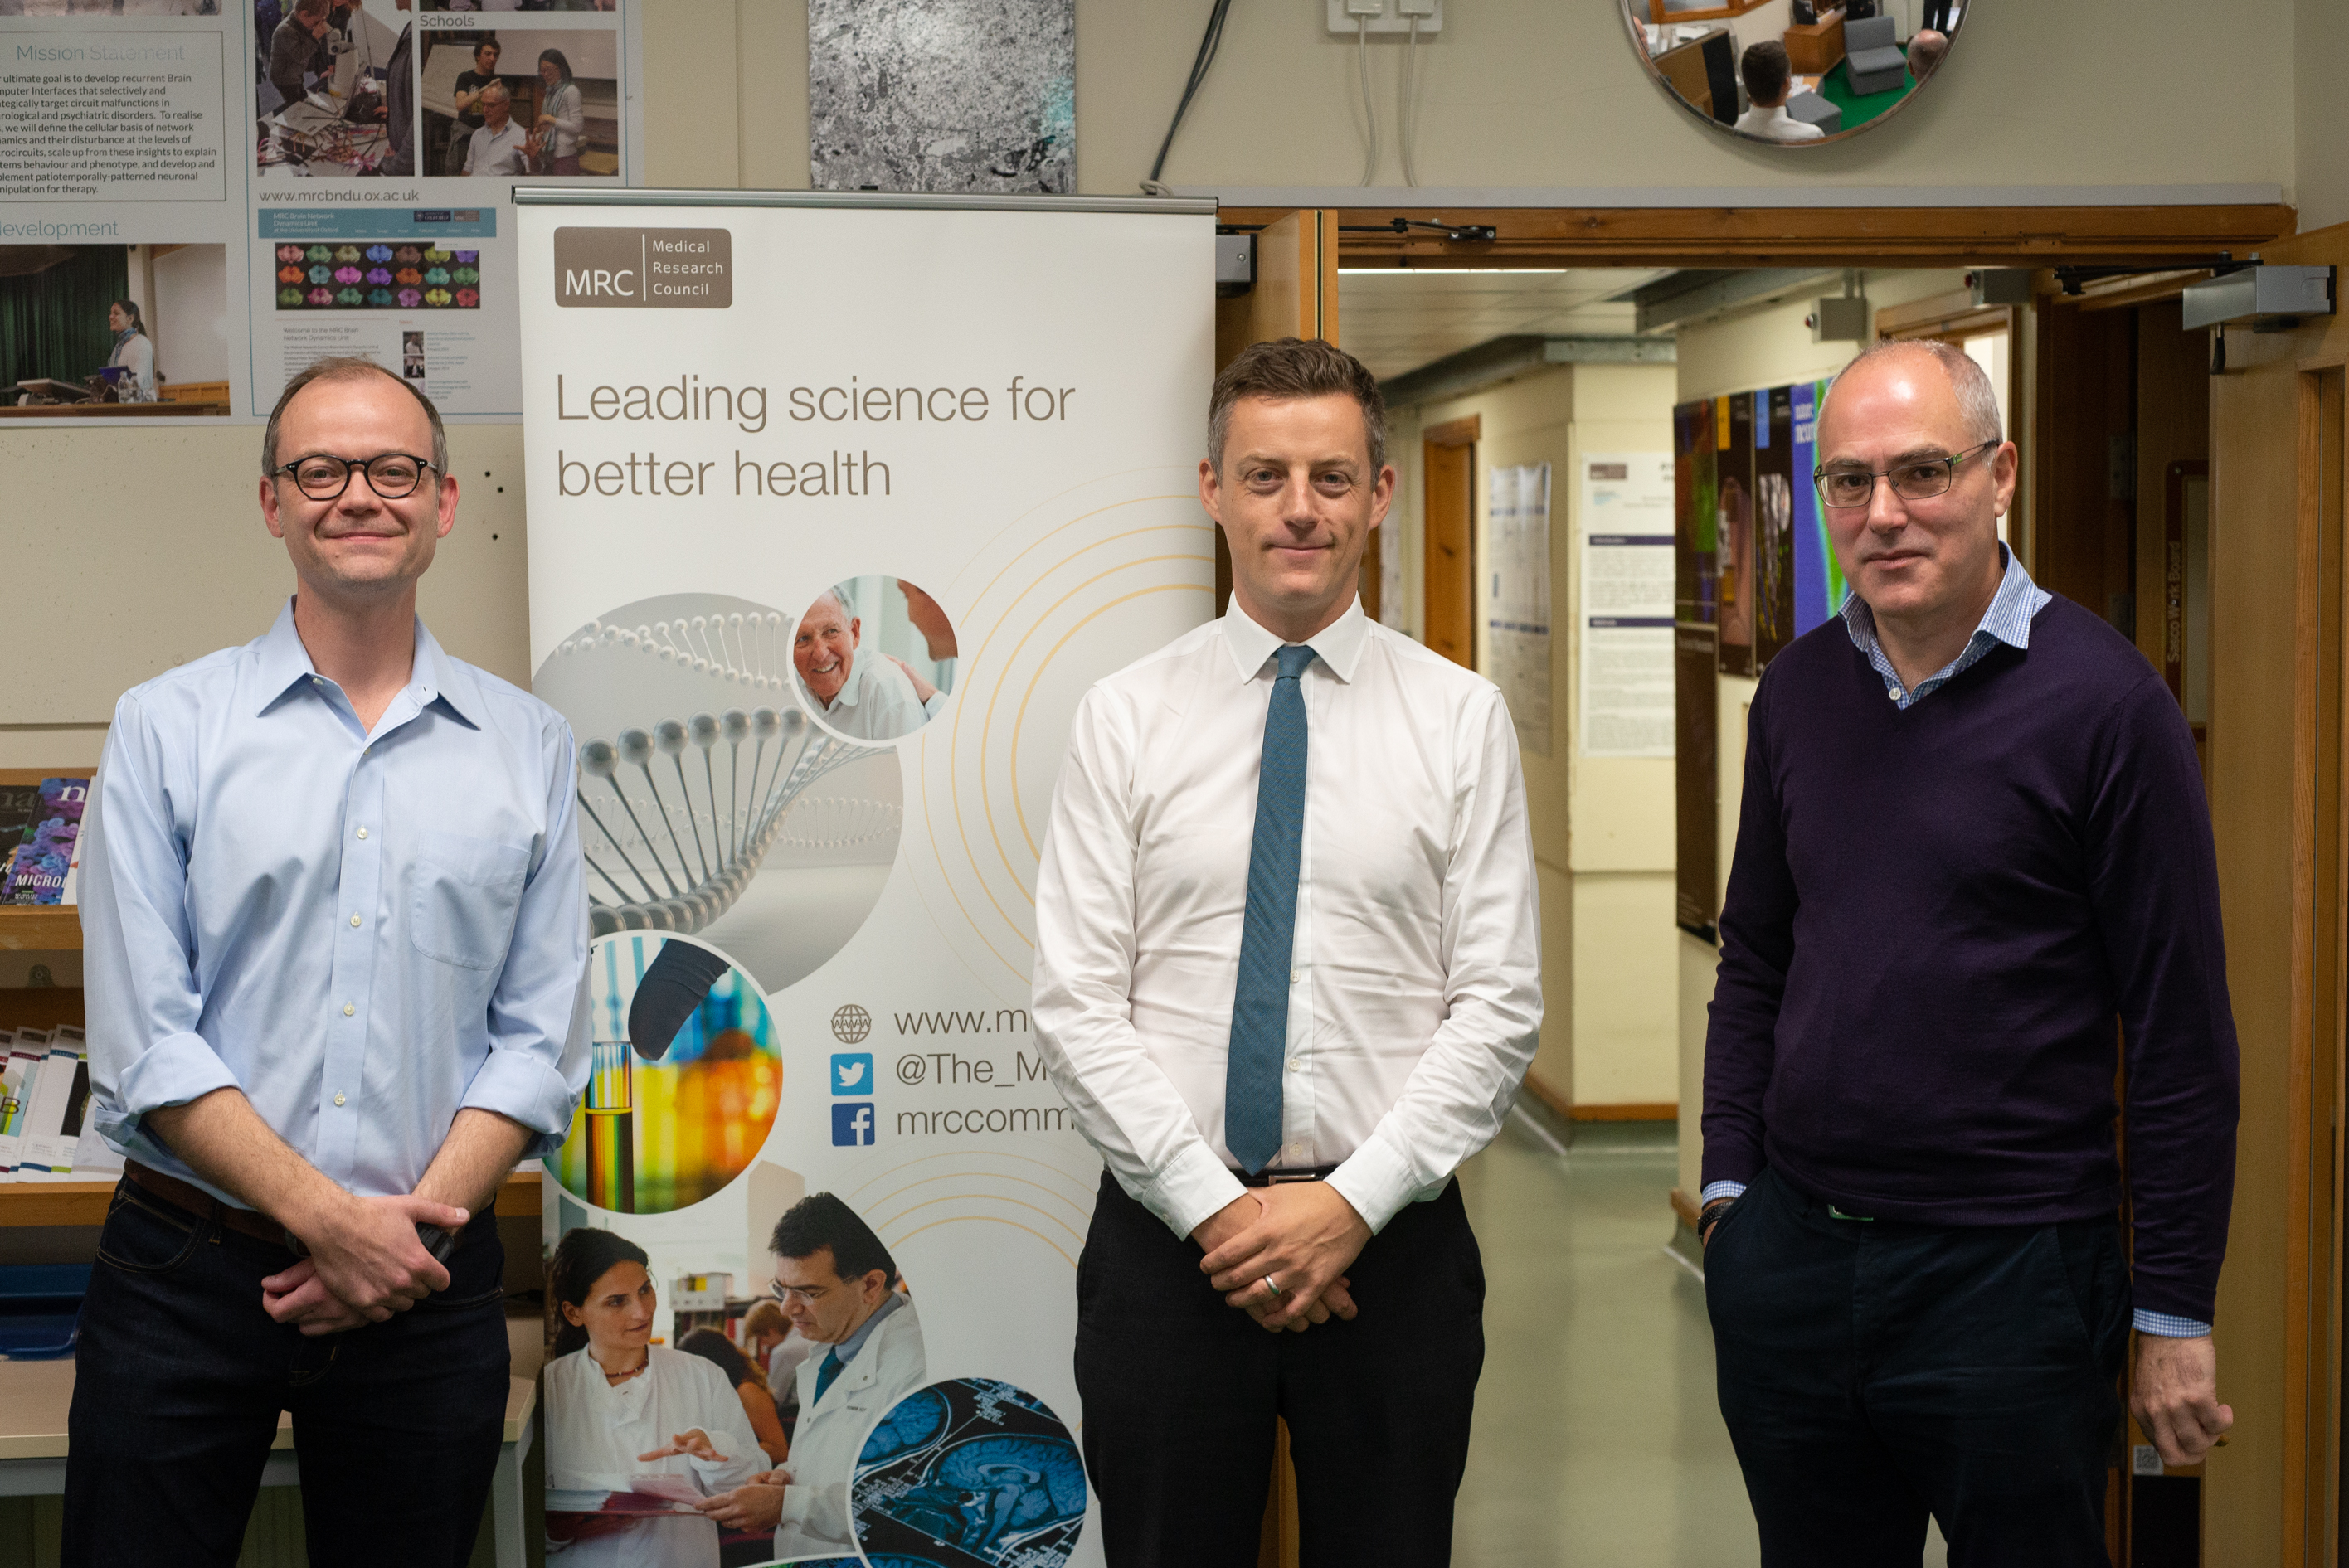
[(851, 1024)]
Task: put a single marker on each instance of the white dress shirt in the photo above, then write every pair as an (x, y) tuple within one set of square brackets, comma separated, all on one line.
[(1415, 989), (877, 701), (1774, 124), (365, 931)]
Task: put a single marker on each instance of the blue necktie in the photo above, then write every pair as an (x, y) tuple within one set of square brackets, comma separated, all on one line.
[(1268, 930), (826, 1370)]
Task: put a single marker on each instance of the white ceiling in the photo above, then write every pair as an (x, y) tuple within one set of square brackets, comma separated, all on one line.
[(1396, 320)]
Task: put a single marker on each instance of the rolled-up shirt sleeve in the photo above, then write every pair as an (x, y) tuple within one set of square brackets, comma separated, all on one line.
[(1085, 941), (1456, 1097), (538, 1058), (138, 949)]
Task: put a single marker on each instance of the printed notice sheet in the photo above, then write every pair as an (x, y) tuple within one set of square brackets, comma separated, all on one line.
[(1516, 623), (1627, 604)]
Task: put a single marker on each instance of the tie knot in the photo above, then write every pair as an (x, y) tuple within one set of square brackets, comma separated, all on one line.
[(1293, 659)]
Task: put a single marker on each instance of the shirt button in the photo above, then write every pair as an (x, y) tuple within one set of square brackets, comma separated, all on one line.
[(1298, 1066), (362, 833), (349, 1009), (338, 1099), (354, 920)]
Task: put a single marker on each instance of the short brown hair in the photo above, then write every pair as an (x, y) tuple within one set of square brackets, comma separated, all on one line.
[(1287, 367), (349, 368), (1767, 69), (765, 1316)]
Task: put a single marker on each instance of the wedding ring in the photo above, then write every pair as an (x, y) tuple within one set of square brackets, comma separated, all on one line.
[(1276, 1291)]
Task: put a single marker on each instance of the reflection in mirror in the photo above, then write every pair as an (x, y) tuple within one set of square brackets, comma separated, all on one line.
[(1793, 72)]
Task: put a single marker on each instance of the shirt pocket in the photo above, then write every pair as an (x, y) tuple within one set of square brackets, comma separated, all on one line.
[(464, 893)]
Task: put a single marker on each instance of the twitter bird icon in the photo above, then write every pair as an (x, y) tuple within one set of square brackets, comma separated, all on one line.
[(852, 1073)]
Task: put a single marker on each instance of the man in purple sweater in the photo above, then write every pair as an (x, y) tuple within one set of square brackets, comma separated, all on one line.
[(1972, 841)]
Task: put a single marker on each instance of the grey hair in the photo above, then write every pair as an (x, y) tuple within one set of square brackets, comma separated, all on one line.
[(502, 93), (349, 368), (1977, 399)]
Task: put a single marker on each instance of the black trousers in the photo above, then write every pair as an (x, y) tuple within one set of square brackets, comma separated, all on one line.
[(1936, 16), (1180, 1391), (180, 1375), (1872, 1371)]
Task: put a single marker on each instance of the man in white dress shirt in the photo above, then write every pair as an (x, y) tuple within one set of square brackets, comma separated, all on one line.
[(1287, 978), (862, 698), (1769, 74)]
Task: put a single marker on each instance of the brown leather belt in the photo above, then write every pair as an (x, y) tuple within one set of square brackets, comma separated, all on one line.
[(199, 1204)]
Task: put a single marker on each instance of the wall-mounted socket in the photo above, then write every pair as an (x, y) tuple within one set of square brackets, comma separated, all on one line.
[(1385, 17)]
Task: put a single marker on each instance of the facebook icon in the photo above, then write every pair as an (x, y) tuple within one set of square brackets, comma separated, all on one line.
[(852, 1124)]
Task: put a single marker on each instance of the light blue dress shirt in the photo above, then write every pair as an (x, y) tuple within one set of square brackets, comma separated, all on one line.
[(365, 932), (2008, 621)]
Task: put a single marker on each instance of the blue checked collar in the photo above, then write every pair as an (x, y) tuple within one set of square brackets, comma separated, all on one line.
[(2007, 620)]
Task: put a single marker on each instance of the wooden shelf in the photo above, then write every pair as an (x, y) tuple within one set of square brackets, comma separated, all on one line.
[(40, 927), (84, 1203), (44, 927)]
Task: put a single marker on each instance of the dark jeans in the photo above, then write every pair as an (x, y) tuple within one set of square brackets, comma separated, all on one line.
[(1180, 1391), (180, 1375), (1872, 1371)]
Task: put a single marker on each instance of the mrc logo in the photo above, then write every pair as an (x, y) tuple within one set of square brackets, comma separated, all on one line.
[(643, 269)]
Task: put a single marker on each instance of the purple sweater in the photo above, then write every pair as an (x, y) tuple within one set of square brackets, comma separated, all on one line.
[(1934, 918)]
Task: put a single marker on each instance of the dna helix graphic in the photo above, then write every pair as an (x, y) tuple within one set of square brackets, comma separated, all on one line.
[(681, 862)]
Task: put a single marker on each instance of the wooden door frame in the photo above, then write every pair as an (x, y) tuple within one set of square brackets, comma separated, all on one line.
[(2137, 236), (1464, 432)]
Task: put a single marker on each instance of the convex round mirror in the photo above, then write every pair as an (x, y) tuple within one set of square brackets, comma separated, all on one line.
[(1792, 73)]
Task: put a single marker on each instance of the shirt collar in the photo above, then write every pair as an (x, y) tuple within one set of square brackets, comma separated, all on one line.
[(847, 1348), (2008, 618), (850, 689), (282, 662), (1338, 644)]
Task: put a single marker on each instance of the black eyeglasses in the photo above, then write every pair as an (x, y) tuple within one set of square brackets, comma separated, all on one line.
[(322, 477), (1920, 478)]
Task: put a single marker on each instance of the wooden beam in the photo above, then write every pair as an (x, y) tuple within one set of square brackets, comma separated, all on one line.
[(1815, 236)]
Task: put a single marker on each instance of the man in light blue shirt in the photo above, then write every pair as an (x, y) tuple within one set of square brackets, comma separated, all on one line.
[(336, 940)]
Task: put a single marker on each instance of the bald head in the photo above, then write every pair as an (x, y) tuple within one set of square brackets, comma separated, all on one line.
[(1967, 383)]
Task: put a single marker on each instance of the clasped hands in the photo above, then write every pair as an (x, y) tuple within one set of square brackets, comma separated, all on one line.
[(1279, 1254), (365, 1263)]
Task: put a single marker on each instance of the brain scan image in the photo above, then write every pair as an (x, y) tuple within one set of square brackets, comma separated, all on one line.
[(966, 1473)]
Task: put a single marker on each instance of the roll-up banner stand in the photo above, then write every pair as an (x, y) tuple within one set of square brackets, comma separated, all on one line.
[(838, 503)]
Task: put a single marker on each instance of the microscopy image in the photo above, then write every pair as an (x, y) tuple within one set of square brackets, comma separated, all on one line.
[(942, 95)]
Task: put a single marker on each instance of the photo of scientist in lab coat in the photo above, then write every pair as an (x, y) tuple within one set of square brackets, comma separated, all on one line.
[(841, 1290), (628, 1417)]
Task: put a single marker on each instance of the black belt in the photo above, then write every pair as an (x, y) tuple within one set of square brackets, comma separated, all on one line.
[(1280, 1178)]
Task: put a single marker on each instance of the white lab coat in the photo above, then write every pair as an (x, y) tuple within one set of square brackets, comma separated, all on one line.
[(831, 1433), (594, 1430)]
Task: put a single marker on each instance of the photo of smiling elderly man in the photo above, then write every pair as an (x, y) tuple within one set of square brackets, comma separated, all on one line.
[(875, 658)]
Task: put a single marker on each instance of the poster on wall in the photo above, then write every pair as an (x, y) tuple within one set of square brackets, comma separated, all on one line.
[(1627, 568), (201, 198), (1819, 586), (818, 592), (942, 95), (1517, 613)]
